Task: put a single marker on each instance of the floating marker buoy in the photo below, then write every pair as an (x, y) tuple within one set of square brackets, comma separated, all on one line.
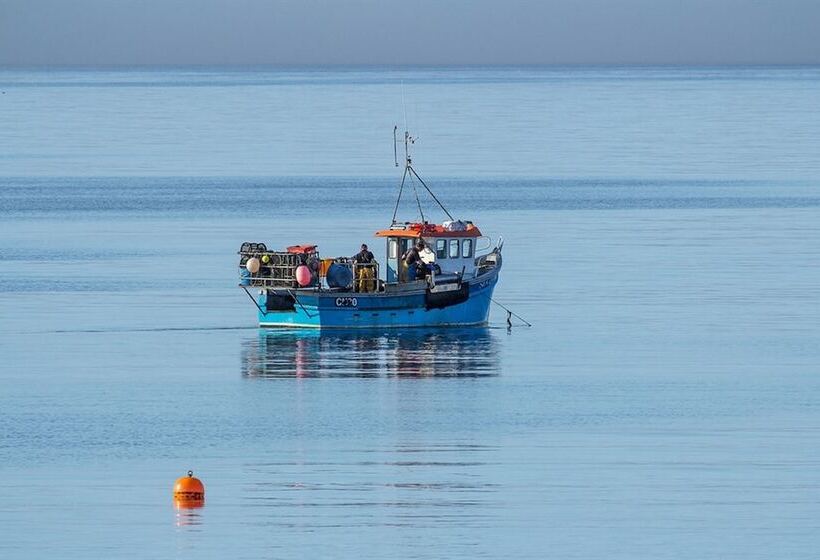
[(189, 492), (252, 265), (266, 259)]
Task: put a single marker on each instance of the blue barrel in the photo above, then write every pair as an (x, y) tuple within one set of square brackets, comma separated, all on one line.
[(339, 276), (244, 277)]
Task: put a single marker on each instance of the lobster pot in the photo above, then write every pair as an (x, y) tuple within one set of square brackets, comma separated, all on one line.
[(249, 247), (277, 268)]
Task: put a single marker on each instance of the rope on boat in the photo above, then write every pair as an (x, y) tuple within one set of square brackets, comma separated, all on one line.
[(401, 188), (263, 312), (253, 300), (413, 171), (511, 314), (418, 201), (296, 299)]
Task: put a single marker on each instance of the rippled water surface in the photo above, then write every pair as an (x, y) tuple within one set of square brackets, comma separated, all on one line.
[(662, 235)]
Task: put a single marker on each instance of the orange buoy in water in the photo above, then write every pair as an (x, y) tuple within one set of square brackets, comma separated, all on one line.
[(189, 492)]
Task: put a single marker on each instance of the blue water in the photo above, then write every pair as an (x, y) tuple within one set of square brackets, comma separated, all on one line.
[(661, 230)]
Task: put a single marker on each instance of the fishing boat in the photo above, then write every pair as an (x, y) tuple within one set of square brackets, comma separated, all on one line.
[(447, 283)]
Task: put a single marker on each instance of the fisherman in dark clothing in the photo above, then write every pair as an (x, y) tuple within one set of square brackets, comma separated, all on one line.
[(364, 256), (366, 277)]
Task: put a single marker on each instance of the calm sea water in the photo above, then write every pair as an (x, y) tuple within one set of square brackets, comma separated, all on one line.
[(662, 235)]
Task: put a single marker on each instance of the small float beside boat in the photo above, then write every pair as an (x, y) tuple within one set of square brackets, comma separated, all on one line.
[(434, 275)]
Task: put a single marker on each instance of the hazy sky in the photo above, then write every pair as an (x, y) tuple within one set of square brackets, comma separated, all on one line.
[(409, 31)]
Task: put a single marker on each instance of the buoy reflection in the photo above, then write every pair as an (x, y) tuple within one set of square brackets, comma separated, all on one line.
[(407, 353), (188, 516)]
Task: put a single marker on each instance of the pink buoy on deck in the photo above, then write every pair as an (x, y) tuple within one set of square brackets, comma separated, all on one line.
[(303, 275)]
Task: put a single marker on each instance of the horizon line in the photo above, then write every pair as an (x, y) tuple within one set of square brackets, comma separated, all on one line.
[(579, 65)]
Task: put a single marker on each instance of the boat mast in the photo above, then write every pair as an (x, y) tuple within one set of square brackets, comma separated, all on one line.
[(409, 171)]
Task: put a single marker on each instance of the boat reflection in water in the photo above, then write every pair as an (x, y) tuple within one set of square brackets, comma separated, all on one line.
[(469, 352)]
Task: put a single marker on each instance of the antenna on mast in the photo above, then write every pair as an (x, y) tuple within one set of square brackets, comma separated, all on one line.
[(404, 106), (395, 148), (408, 140)]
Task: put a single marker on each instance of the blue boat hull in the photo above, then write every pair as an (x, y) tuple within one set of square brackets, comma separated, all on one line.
[(355, 310)]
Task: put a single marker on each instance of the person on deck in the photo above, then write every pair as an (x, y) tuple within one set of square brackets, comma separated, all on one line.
[(364, 256), (415, 267), (366, 279), (428, 258)]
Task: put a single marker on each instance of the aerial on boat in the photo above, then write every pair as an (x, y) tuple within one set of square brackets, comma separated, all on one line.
[(434, 275)]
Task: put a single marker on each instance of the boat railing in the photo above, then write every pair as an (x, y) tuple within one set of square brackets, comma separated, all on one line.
[(273, 269), (486, 262), (365, 277), (256, 281)]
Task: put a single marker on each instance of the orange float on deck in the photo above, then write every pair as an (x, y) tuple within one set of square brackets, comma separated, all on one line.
[(323, 266), (189, 492), (302, 249)]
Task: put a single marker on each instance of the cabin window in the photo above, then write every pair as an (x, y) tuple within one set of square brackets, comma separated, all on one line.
[(454, 248), (467, 248), (392, 249), (441, 248), (405, 245)]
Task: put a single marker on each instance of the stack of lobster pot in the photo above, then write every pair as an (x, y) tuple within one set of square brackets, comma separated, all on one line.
[(260, 267)]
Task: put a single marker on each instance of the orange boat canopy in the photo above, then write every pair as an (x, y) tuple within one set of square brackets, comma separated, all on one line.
[(417, 230)]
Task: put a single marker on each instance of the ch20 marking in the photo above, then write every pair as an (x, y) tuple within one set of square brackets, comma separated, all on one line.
[(347, 302)]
